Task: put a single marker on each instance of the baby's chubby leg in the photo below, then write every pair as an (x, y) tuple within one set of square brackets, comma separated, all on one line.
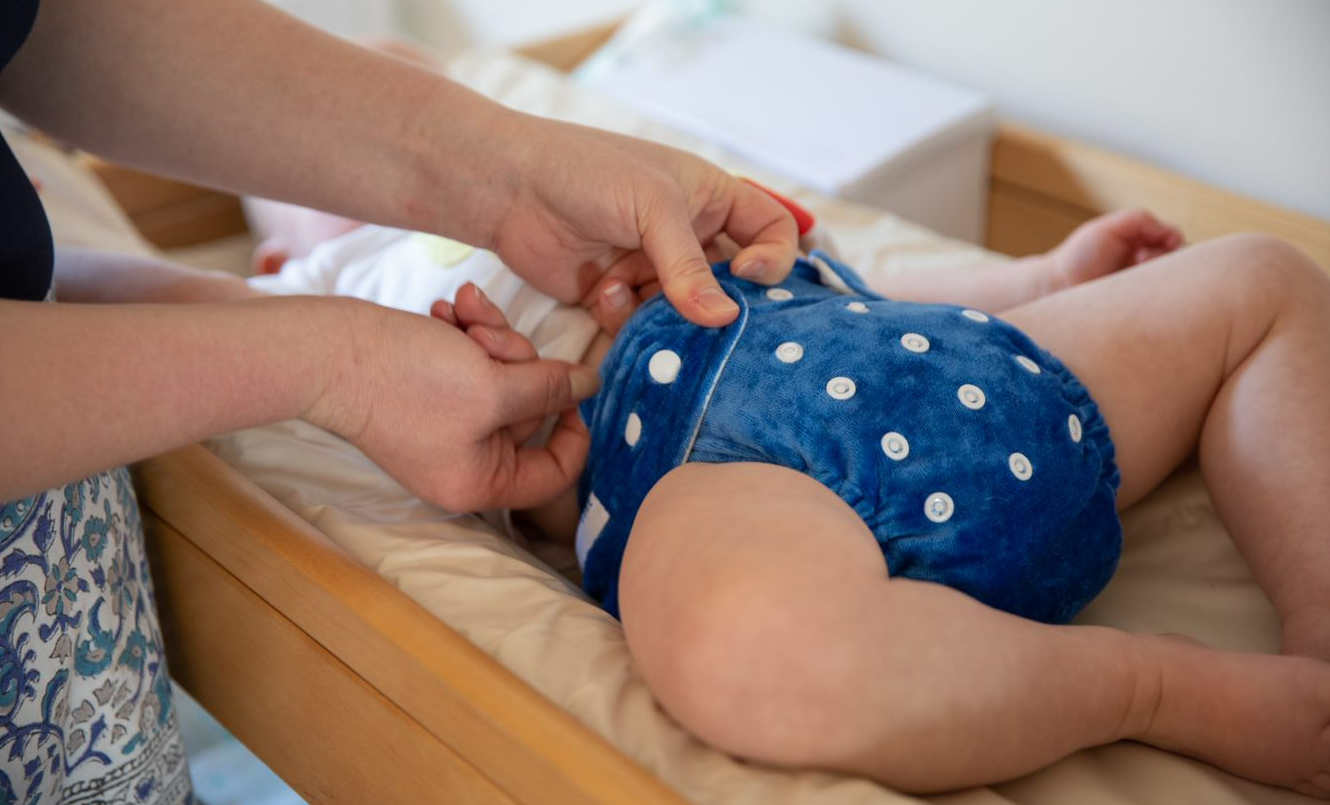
[(1223, 346), (758, 607)]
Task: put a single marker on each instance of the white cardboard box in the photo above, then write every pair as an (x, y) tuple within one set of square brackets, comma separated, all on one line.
[(842, 122)]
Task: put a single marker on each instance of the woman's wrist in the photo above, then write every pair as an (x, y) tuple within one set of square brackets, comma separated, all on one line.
[(345, 337), (461, 186)]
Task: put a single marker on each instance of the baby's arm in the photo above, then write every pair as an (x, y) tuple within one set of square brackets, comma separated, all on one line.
[(1096, 248)]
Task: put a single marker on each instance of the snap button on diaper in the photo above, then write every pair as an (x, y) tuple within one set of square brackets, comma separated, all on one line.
[(664, 366), (939, 507), (914, 342), (1020, 466), (895, 446), (974, 315), (633, 430), (789, 352), (971, 396), (1074, 425), (857, 307), (1030, 366), (779, 294), (840, 388)]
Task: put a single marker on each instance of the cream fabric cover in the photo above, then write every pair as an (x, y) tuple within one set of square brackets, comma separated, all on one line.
[(1179, 573)]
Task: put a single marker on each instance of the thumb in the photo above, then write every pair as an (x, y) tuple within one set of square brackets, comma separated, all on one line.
[(536, 389), (672, 246)]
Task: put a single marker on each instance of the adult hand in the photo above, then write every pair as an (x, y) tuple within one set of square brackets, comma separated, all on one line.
[(429, 406), (594, 214)]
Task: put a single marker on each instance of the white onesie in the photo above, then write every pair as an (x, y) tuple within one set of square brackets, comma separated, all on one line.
[(410, 270)]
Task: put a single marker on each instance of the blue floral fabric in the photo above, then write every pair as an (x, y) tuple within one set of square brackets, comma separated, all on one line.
[(973, 455), (85, 699)]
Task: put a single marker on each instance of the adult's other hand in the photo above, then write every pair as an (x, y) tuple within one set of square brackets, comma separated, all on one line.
[(429, 406)]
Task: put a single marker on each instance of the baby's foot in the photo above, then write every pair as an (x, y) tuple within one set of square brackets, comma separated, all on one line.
[(1261, 716)]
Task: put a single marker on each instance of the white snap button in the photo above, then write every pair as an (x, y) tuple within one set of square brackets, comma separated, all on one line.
[(939, 507), (857, 307), (895, 446), (1029, 365), (664, 366), (779, 294), (789, 352), (840, 388), (974, 315), (1020, 466), (914, 342), (633, 430), (1074, 425), (971, 396)]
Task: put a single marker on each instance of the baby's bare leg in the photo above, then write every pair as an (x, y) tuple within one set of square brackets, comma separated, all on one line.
[(1225, 346), (757, 606)]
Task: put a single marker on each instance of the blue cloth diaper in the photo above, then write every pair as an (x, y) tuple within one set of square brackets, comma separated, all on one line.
[(973, 455)]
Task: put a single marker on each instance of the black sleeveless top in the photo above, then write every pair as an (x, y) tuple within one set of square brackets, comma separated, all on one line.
[(26, 254)]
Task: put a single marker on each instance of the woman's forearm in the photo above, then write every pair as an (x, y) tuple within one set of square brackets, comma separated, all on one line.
[(95, 386), (89, 275), (187, 89)]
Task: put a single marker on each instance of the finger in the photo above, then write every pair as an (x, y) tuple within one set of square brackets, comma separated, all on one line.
[(649, 290), (442, 310), (1145, 253), (720, 249), (767, 233), (502, 343), (673, 248), (612, 303), (474, 307), (521, 431), (1174, 239), (539, 388), (1141, 226), (1155, 231), (540, 473)]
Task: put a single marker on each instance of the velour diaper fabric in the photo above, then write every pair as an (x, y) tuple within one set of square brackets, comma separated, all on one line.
[(973, 455)]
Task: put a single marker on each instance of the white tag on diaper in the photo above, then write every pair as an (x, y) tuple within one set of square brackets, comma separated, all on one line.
[(594, 518)]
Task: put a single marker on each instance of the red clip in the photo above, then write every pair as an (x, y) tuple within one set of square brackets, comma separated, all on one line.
[(802, 218)]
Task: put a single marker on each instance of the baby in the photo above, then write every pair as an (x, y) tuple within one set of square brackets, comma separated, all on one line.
[(832, 529)]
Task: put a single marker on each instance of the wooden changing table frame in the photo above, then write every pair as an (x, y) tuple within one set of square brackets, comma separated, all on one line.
[(353, 693)]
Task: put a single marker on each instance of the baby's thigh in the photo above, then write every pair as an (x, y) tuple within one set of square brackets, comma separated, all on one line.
[(1152, 344), (732, 568)]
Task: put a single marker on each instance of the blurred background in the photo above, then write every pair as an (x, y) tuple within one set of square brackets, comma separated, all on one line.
[(1231, 92)]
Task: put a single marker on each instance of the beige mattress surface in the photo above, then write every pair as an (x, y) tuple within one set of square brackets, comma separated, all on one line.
[(1179, 573)]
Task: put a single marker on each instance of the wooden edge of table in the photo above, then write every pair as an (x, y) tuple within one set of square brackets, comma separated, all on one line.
[(247, 588), (1042, 186)]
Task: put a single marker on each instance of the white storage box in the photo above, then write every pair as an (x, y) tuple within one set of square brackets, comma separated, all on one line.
[(839, 121)]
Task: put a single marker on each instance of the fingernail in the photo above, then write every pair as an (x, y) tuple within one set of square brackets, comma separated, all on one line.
[(584, 382), (751, 270), (714, 300), (484, 300), (496, 337), (617, 296), (443, 310)]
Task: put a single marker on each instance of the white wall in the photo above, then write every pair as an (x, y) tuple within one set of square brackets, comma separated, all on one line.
[(1232, 92)]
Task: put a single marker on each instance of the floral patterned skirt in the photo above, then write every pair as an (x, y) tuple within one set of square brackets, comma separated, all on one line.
[(85, 699)]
